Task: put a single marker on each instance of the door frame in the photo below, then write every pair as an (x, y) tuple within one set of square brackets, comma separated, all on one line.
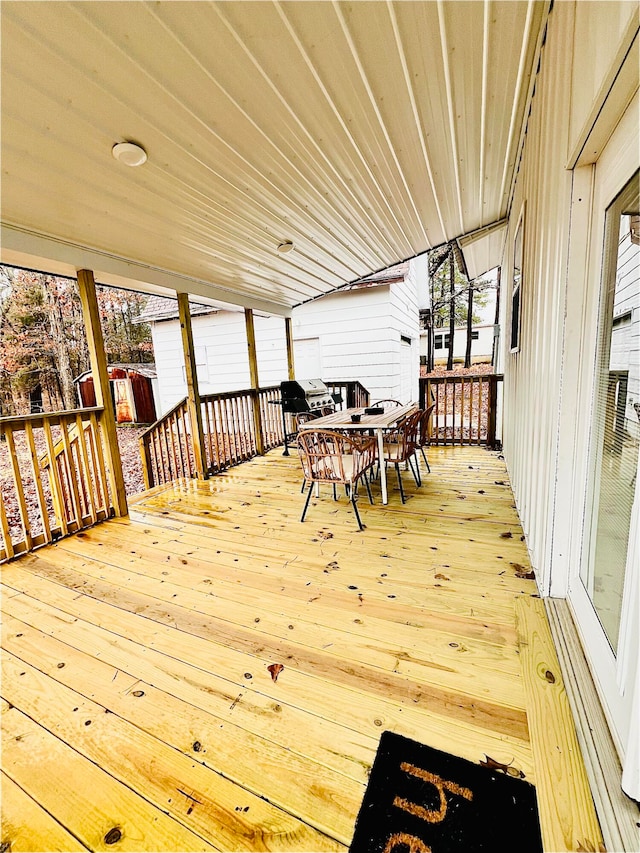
[(614, 677)]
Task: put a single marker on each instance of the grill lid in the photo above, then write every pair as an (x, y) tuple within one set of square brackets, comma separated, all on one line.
[(303, 395)]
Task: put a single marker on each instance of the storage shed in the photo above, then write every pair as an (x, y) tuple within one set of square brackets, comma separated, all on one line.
[(133, 392)]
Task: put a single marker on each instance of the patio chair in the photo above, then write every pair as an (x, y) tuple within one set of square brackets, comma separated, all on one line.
[(423, 433), (401, 445), (332, 457), (305, 417), (386, 404)]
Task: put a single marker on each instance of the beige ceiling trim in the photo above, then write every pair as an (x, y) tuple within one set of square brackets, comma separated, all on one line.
[(482, 250), (615, 95), (542, 34), (19, 247)]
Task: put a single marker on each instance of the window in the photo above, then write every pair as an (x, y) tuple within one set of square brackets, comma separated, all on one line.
[(437, 342), (615, 439), (517, 285), (475, 336)]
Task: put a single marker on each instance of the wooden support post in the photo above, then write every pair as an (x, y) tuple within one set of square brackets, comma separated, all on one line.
[(100, 373), (253, 372), (147, 467), (288, 328), (491, 411), (193, 392)]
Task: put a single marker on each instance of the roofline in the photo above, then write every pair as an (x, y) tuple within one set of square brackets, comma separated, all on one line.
[(40, 252)]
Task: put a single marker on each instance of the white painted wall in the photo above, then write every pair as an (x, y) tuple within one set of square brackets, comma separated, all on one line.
[(548, 386), (348, 335), (481, 348), (360, 337)]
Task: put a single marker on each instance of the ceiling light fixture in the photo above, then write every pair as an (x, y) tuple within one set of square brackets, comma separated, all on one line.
[(285, 247), (129, 153)]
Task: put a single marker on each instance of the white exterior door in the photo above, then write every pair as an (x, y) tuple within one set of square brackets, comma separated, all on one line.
[(307, 359), (406, 366), (605, 590)]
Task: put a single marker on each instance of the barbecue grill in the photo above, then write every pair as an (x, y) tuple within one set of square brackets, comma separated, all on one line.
[(305, 395)]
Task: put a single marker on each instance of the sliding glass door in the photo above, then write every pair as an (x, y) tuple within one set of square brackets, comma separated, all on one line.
[(615, 428)]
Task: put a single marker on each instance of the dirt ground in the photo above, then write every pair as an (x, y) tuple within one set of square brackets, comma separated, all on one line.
[(128, 441)]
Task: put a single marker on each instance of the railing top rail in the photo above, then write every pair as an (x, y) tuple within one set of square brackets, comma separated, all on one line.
[(227, 395), (52, 417), (456, 377), (181, 404)]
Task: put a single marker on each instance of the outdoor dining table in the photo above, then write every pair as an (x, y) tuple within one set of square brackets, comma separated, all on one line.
[(379, 424)]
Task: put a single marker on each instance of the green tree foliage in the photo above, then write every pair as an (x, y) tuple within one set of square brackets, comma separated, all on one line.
[(43, 344)]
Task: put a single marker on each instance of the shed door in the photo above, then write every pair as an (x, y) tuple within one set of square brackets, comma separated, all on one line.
[(124, 407)]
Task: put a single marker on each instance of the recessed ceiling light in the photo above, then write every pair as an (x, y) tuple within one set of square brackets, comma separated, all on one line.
[(129, 153), (285, 246)]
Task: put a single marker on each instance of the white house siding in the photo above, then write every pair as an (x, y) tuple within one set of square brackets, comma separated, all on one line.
[(548, 384), (532, 375), (356, 338), (551, 315), (404, 314), (360, 333), (222, 359), (359, 337), (481, 347)]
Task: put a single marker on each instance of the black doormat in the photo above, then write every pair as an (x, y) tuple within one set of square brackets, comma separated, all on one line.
[(421, 800)]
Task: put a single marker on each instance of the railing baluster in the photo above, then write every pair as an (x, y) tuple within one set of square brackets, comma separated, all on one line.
[(176, 456), (470, 395), (206, 426), (71, 471), (227, 432), (17, 482), (101, 470), (85, 481), (215, 421), (42, 503), (55, 483), (4, 528)]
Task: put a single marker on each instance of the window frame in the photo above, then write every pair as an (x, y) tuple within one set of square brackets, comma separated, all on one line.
[(515, 335)]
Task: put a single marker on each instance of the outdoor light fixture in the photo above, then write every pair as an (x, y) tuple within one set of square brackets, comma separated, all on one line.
[(285, 247), (129, 153)]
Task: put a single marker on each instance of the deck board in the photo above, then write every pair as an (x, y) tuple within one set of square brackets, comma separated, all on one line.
[(168, 621)]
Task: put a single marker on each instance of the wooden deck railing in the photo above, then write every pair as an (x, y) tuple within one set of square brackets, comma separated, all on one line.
[(229, 434), (229, 431), (41, 501), (353, 394), (465, 407)]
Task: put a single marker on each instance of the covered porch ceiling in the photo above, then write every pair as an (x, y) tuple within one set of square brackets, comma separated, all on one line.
[(365, 133)]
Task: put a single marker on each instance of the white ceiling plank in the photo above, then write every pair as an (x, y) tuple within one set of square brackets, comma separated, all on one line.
[(363, 132)]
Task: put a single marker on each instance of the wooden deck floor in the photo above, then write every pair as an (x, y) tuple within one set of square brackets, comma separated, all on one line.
[(139, 712)]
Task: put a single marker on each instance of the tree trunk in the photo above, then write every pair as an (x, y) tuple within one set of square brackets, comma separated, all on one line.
[(467, 354), (452, 308), (61, 350)]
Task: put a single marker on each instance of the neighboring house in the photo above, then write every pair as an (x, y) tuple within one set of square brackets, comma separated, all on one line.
[(481, 344), (367, 331), (624, 359)]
